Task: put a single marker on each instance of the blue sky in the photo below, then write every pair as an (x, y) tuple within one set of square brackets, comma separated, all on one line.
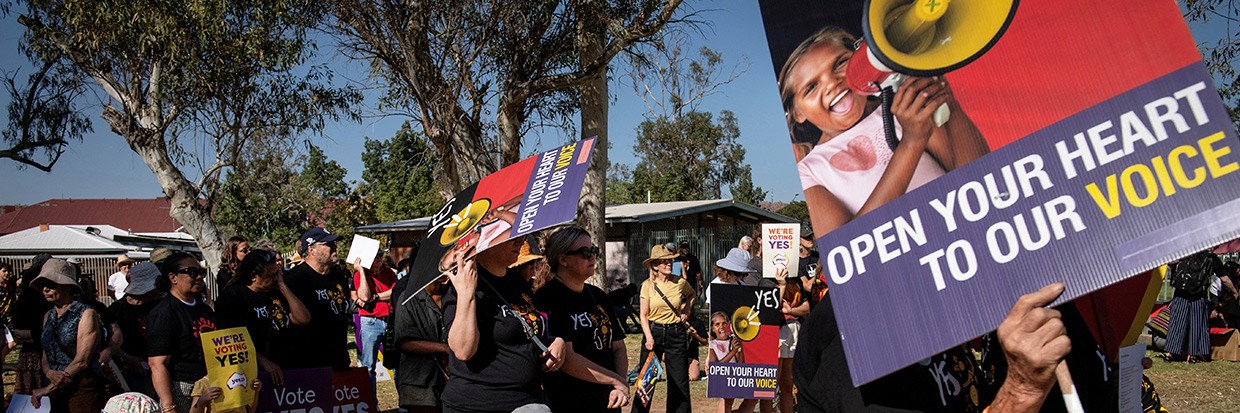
[(103, 166)]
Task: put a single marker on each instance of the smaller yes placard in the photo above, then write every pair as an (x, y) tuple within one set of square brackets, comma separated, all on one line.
[(780, 248)]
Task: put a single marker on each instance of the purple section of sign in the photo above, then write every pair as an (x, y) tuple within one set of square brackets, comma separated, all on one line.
[(554, 187), (1076, 202), (741, 381), (303, 390)]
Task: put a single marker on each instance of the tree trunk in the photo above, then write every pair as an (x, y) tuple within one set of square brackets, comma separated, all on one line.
[(594, 94), (182, 194)]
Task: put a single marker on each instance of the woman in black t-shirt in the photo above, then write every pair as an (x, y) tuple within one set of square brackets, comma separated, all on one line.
[(257, 298), (582, 314), (174, 349)]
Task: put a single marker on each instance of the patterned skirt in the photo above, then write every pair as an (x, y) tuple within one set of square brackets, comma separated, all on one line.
[(29, 373), (1189, 332)]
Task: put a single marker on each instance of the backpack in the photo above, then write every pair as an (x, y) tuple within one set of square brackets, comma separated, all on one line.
[(1192, 274)]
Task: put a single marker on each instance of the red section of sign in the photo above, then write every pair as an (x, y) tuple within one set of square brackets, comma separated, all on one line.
[(506, 184), (1016, 89), (758, 350)]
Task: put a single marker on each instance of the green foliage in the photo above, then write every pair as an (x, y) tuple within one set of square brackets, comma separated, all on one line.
[(689, 157), (798, 210), (398, 179), (266, 197), (1220, 53)]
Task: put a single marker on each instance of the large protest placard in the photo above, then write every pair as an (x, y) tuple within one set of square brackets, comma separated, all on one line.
[(232, 365), (747, 317), (530, 195), (1085, 144)]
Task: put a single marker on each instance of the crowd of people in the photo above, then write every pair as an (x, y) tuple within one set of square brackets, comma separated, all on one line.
[(514, 328)]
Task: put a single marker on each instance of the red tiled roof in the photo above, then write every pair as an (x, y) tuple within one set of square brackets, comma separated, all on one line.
[(137, 215)]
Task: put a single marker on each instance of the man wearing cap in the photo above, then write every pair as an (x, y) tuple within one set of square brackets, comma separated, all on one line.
[(325, 290), (119, 279), (131, 313)]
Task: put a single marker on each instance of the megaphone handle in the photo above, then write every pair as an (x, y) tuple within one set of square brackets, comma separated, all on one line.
[(886, 95), (942, 115)]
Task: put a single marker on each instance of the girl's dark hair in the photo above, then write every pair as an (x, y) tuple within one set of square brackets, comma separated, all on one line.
[(559, 242), (229, 261), (168, 266), (252, 266), (805, 132)]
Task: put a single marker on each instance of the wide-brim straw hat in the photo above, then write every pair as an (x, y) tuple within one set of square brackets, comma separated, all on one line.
[(123, 260), (57, 271), (526, 256), (659, 252)]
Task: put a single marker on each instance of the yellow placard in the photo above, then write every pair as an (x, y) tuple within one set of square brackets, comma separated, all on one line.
[(232, 365)]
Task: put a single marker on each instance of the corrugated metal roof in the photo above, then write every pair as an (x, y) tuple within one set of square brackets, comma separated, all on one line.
[(83, 239), (617, 214), (137, 215), (416, 224)]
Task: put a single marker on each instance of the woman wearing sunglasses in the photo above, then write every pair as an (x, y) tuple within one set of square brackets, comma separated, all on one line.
[(173, 347), (581, 314), (666, 305), (257, 298)]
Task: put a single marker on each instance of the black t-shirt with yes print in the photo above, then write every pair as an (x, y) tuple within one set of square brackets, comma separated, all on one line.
[(173, 329), (262, 313), (506, 370), (583, 319), (324, 341)]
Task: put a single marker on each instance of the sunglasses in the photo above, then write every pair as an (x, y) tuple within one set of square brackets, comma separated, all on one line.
[(660, 262), (331, 244), (586, 252), (195, 272)]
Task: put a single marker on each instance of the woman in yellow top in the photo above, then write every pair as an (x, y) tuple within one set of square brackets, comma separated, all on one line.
[(666, 305)]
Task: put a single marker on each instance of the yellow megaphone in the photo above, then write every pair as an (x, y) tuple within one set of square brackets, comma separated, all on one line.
[(923, 38), (745, 323)]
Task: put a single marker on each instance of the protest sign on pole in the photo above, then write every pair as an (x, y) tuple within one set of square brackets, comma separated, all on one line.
[(527, 196), (1081, 147), (751, 319), (781, 245), (232, 365)]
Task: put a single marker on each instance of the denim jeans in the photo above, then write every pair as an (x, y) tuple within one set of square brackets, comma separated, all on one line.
[(669, 342), (372, 336)]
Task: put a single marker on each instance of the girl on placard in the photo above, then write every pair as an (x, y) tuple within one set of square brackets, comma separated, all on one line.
[(725, 347), (846, 167)]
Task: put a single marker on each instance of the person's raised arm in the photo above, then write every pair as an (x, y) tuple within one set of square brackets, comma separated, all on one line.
[(959, 141), (297, 311), (1035, 342), (463, 335), (361, 279), (913, 105)]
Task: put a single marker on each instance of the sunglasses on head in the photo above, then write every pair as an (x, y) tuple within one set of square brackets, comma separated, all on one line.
[(195, 272), (265, 256), (586, 252)]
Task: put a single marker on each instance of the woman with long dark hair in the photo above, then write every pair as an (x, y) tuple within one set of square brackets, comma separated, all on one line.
[(234, 251), (257, 298), (175, 323)]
